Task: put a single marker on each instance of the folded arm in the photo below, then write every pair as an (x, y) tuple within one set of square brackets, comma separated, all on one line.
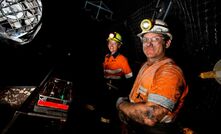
[(144, 113)]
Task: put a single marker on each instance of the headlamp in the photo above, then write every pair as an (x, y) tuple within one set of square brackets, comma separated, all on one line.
[(116, 37), (111, 36), (146, 25)]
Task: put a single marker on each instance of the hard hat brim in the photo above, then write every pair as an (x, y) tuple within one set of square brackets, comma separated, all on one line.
[(115, 40), (140, 35)]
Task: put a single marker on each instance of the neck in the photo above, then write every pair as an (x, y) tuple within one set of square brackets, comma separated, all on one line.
[(151, 61)]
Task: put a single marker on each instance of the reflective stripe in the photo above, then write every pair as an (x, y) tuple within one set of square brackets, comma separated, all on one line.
[(143, 90), (113, 71), (129, 75), (161, 100)]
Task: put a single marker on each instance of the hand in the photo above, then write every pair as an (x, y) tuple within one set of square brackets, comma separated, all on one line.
[(168, 118)]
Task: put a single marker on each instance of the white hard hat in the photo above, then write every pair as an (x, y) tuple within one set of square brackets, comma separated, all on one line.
[(154, 26)]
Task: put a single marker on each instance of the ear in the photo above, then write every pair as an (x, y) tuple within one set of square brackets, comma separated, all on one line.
[(168, 42)]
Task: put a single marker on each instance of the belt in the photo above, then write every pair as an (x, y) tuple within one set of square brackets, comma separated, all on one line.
[(111, 86)]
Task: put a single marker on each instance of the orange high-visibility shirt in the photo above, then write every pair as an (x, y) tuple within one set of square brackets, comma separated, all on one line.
[(162, 83), (116, 67)]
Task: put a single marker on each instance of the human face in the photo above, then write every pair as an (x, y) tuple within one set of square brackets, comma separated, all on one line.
[(113, 46), (153, 45)]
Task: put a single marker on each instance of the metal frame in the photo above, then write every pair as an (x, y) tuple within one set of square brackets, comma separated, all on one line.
[(100, 7)]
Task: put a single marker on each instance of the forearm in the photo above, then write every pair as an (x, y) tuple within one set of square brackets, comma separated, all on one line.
[(142, 112)]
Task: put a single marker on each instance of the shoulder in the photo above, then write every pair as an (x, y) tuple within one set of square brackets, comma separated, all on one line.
[(107, 55), (170, 69), (122, 57)]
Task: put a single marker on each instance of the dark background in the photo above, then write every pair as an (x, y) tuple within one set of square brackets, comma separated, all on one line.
[(72, 42)]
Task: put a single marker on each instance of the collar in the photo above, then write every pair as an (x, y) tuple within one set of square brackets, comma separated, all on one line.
[(114, 55)]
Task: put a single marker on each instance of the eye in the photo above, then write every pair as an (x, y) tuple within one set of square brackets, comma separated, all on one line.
[(155, 39), (144, 39)]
